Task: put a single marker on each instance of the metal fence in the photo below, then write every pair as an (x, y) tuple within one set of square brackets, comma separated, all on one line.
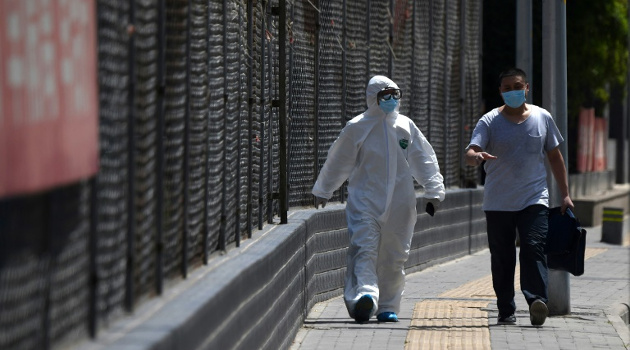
[(191, 141)]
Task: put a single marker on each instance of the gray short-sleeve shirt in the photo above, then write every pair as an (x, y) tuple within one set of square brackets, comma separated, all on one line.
[(517, 178)]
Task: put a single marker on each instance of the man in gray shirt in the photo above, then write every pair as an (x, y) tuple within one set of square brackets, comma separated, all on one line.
[(514, 140)]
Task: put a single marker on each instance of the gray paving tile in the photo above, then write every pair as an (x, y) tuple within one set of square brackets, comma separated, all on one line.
[(603, 285)]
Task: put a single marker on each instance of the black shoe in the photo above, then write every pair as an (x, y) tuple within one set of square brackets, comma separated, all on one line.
[(510, 319), (538, 312), (363, 309)]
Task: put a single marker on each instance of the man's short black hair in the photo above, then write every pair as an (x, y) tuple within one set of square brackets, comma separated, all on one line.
[(512, 72)]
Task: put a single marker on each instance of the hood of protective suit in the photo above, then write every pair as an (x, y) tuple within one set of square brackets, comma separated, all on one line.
[(376, 84)]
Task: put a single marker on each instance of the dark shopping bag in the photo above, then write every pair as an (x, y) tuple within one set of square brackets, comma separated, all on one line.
[(566, 242)]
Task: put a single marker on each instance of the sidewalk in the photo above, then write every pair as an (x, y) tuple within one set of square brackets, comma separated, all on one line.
[(452, 306)]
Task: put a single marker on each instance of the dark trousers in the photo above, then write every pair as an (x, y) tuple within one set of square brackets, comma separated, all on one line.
[(532, 226)]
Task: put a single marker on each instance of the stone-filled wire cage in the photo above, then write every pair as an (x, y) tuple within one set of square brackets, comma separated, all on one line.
[(190, 141)]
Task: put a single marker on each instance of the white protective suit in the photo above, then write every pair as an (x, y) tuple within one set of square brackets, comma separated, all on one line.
[(379, 154)]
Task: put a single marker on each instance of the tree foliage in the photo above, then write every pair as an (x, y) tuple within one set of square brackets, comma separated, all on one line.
[(597, 50)]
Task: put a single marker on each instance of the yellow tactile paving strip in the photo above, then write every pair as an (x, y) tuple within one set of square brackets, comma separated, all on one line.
[(591, 252), (449, 324), (458, 319)]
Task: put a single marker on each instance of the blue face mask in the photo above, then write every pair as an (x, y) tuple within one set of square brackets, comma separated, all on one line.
[(514, 98), (388, 106)]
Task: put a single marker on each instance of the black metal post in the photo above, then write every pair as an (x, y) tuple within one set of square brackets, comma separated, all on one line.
[(447, 96), (368, 55), (131, 160), (282, 113), (222, 232), (290, 97), (390, 66), (49, 257), (261, 141), (316, 99), (261, 188), (344, 81), (92, 246), (206, 162), (270, 192), (471, 217), (462, 92), (250, 113), (429, 109), (413, 55), (237, 214), (186, 230), (161, 77)]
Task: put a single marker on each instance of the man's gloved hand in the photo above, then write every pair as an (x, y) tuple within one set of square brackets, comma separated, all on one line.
[(320, 200), (432, 205)]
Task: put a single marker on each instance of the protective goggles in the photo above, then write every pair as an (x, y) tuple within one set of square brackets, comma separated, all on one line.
[(389, 93)]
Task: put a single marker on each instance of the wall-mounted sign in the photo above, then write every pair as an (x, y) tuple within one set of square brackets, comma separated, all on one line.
[(48, 94)]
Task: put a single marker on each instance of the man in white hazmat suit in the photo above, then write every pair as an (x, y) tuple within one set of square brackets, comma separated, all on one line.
[(380, 152)]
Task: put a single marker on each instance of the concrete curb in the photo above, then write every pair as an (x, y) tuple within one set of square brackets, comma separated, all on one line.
[(619, 318)]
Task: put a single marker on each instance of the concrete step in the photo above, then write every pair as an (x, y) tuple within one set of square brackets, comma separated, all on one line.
[(589, 209)]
